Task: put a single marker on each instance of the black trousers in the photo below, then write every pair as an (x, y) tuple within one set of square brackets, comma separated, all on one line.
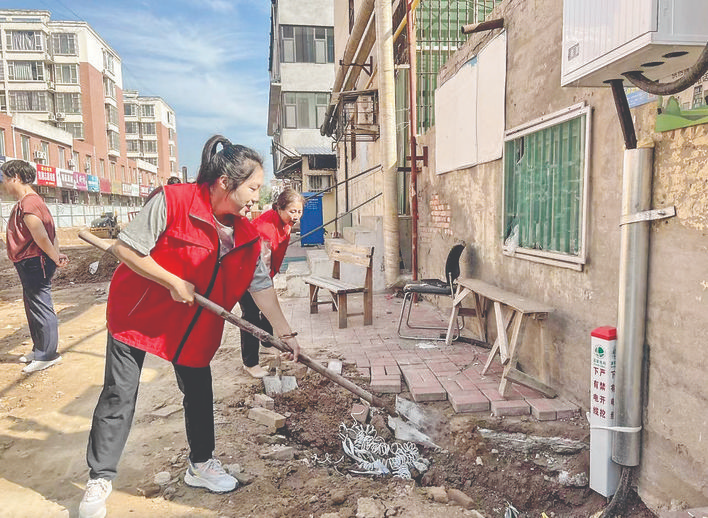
[(36, 277), (114, 411), (249, 343)]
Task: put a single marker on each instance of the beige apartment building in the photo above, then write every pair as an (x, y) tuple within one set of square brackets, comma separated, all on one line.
[(63, 108)]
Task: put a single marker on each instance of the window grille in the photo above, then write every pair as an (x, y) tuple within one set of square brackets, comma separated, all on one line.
[(24, 40), (544, 188), (305, 110), (25, 101), (64, 43), (25, 71), (68, 102), (66, 74), (148, 110), (149, 128), (437, 38)]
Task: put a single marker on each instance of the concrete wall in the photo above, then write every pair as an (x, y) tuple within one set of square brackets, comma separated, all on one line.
[(674, 458)]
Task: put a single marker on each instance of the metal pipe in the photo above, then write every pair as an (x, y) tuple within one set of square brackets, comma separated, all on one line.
[(483, 26), (387, 141), (631, 318), (413, 123)]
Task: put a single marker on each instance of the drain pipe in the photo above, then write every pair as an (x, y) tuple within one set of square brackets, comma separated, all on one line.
[(387, 142), (634, 261)]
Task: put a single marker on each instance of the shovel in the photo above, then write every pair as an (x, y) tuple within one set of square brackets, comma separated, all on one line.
[(263, 337)]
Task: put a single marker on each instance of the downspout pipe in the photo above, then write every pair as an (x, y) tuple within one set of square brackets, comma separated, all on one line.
[(387, 141), (413, 121), (631, 318)]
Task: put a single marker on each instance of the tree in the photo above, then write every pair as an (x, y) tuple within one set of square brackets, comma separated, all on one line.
[(266, 196)]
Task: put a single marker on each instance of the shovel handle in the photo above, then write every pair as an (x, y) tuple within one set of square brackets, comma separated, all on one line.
[(261, 335)]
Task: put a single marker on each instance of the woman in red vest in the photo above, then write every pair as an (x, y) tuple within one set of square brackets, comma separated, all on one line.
[(189, 238), (274, 226)]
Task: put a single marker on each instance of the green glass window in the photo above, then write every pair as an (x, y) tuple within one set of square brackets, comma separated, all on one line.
[(544, 174)]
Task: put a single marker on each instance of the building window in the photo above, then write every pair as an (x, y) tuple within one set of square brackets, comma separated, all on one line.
[(173, 167), (133, 146), (148, 110), (87, 163), (112, 166), (300, 44), (25, 148), (698, 100), (172, 150), (170, 133), (66, 74), (152, 161), (102, 167), (112, 114), (132, 128), (108, 61), (545, 188), (24, 40), (68, 102), (44, 147), (64, 43), (318, 182), (21, 101), (149, 146), (3, 100), (109, 88), (25, 71), (75, 128), (130, 110), (305, 109), (2, 142), (113, 140), (62, 156), (149, 128)]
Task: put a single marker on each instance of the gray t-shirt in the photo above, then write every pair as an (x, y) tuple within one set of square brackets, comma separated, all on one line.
[(145, 229)]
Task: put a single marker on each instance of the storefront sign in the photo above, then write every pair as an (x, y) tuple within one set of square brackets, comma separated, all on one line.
[(116, 187), (125, 189), (105, 184), (145, 190), (46, 175), (80, 181), (134, 189), (92, 183), (66, 179)]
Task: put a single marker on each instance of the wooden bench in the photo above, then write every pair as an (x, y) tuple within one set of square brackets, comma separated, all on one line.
[(339, 289), (510, 309)]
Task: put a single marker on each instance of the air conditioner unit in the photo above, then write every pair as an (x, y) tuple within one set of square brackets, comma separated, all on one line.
[(604, 38), (71, 163), (60, 116), (39, 155), (51, 117)]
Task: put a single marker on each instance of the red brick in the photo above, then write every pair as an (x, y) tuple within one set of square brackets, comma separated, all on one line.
[(364, 373), (513, 407), (542, 409), (428, 393), (392, 370), (382, 361), (468, 401), (388, 385), (442, 367), (527, 392)]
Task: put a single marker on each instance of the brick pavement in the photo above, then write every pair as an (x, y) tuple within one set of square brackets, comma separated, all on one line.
[(429, 370)]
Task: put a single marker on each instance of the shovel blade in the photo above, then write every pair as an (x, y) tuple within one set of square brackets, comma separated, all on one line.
[(279, 384), (405, 432)]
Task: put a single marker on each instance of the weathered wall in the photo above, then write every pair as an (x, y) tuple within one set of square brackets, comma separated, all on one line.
[(675, 459)]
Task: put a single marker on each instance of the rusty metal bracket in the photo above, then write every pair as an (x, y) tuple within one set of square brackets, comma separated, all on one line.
[(649, 215), (366, 67), (423, 157)]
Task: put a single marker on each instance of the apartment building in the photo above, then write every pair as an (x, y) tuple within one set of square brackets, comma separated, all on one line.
[(62, 108), (301, 77)]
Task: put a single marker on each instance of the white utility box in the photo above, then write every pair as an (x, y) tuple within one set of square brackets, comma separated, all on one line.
[(604, 38), (604, 472)]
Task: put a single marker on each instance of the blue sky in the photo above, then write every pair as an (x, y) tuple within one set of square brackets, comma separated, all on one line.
[(208, 59)]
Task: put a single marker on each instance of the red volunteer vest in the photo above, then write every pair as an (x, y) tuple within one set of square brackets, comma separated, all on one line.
[(142, 314), (272, 229)]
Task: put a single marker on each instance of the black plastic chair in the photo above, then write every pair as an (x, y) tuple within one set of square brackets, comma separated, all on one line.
[(445, 287)]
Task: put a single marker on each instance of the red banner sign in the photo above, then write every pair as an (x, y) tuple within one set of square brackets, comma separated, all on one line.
[(46, 175)]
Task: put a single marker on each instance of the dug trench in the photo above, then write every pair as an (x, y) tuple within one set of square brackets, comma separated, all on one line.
[(494, 463)]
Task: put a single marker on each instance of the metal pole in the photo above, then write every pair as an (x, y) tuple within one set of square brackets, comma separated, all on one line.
[(413, 120), (631, 318)]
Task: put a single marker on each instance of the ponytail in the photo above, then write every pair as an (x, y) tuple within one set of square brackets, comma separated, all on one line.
[(237, 163)]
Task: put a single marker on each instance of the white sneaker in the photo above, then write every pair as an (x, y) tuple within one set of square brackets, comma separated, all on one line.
[(27, 358), (210, 475), (40, 365), (93, 504)]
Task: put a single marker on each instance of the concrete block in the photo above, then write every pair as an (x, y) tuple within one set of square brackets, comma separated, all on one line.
[(509, 408), (335, 366), (469, 401), (542, 409), (266, 417), (263, 401), (387, 384), (279, 453)]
